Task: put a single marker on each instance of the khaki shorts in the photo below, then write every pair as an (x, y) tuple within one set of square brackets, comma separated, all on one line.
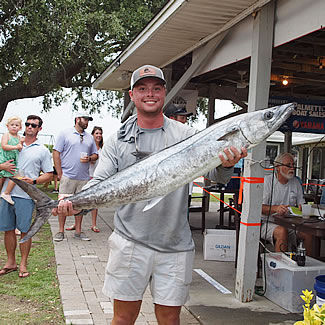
[(70, 186), (131, 267), (270, 230)]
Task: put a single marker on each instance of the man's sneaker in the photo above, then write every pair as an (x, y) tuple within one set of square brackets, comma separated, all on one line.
[(59, 236), (81, 236), (55, 191)]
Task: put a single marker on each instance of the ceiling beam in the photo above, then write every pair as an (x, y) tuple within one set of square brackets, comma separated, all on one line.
[(209, 48)]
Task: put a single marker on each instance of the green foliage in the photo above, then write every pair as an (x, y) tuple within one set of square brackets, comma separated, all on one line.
[(47, 45), (49, 146)]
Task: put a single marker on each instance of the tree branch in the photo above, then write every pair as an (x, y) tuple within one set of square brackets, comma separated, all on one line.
[(37, 86)]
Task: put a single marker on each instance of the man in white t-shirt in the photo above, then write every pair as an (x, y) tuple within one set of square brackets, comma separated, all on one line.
[(287, 191)]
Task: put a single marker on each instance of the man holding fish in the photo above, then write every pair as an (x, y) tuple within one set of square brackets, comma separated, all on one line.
[(152, 242)]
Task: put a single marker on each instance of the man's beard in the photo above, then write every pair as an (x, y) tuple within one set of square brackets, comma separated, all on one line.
[(82, 126), (288, 176)]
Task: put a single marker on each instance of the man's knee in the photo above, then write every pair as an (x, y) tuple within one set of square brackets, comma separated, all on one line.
[(168, 315), (280, 233), (124, 319), (125, 312)]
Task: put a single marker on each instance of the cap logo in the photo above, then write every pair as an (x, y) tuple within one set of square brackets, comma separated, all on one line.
[(147, 71)]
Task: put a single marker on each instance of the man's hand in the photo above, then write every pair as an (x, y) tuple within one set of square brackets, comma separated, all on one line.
[(281, 209), (27, 180), (8, 166), (233, 156), (84, 159), (65, 207)]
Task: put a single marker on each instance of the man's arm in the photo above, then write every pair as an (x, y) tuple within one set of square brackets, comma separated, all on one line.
[(93, 157), (57, 163), (229, 159), (8, 166), (278, 209), (42, 179)]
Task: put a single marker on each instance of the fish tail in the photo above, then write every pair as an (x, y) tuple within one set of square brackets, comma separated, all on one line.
[(42, 215), (44, 205)]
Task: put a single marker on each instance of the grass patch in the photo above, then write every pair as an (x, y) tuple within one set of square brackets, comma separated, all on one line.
[(36, 299)]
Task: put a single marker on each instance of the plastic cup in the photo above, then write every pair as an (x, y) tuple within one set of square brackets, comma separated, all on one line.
[(20, 174), (83, 154), (306, 210)]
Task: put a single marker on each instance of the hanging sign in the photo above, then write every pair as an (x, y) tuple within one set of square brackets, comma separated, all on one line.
[(308, 116)]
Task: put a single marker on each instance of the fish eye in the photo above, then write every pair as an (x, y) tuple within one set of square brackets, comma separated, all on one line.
[(268, 115)]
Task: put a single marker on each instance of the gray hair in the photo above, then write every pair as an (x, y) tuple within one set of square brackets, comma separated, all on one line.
[(280, 157)]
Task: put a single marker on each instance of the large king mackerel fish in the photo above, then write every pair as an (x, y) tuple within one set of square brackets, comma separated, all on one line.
[(151, 178)]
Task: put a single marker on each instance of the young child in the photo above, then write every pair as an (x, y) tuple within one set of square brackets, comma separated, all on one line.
[(11, 144)]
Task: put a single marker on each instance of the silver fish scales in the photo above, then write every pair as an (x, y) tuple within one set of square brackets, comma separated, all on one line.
[(151, 178)]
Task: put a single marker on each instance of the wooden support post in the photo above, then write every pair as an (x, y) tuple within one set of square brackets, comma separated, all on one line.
[(168, 71), (259, 84), (210, 119), (211, 103), (287, 141)]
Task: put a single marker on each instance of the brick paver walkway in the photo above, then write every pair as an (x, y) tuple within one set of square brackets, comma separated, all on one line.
[(80, 269)]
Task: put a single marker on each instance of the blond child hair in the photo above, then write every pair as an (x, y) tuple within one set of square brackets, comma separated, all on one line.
[(14, 118), (11, 144)]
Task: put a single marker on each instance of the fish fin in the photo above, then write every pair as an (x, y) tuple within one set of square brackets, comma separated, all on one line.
[(152, 203), (228, 131), (43, 212), (32, 191)]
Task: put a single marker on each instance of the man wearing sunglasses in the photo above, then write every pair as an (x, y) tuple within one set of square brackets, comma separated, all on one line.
[(33, 158), (73, 151)]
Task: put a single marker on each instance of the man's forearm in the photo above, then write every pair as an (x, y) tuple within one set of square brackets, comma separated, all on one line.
[(93, 157), (44, 178)]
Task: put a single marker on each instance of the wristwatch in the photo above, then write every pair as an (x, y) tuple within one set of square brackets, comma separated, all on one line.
[(34, 182)]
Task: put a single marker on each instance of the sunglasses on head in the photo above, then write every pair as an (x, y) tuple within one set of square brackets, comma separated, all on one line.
[(33, 125)]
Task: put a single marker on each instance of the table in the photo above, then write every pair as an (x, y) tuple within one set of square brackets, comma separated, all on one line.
[(222, 189), (311, 226)]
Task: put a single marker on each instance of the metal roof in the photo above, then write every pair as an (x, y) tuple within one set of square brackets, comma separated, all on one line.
[(179, 28)]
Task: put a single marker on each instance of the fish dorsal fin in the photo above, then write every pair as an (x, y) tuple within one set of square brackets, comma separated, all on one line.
[(230, 130), (152, 203)]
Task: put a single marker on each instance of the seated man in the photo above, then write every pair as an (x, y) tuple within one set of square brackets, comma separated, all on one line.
[(287, 191)]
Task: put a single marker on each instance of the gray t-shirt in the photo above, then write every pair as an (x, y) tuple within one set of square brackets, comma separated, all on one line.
[(287, 194), (164, 227)]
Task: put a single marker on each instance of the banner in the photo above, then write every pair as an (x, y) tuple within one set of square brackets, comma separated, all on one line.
[(308, 116)]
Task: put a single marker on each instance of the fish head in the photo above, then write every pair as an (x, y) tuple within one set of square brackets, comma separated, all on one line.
[(259, 125)]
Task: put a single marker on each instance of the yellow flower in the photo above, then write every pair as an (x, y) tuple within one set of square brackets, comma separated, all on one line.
[(307, 297), (314, 315)]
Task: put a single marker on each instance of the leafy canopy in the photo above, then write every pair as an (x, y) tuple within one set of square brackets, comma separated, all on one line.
[(49, 45)]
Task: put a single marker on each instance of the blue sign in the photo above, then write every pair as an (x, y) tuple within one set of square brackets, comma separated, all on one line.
[(308, 116)]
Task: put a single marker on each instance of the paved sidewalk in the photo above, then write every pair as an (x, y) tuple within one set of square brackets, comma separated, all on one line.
[(80, 269)]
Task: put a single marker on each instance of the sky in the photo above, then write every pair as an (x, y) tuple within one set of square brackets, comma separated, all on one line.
[(61, 118), (57, 120)]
